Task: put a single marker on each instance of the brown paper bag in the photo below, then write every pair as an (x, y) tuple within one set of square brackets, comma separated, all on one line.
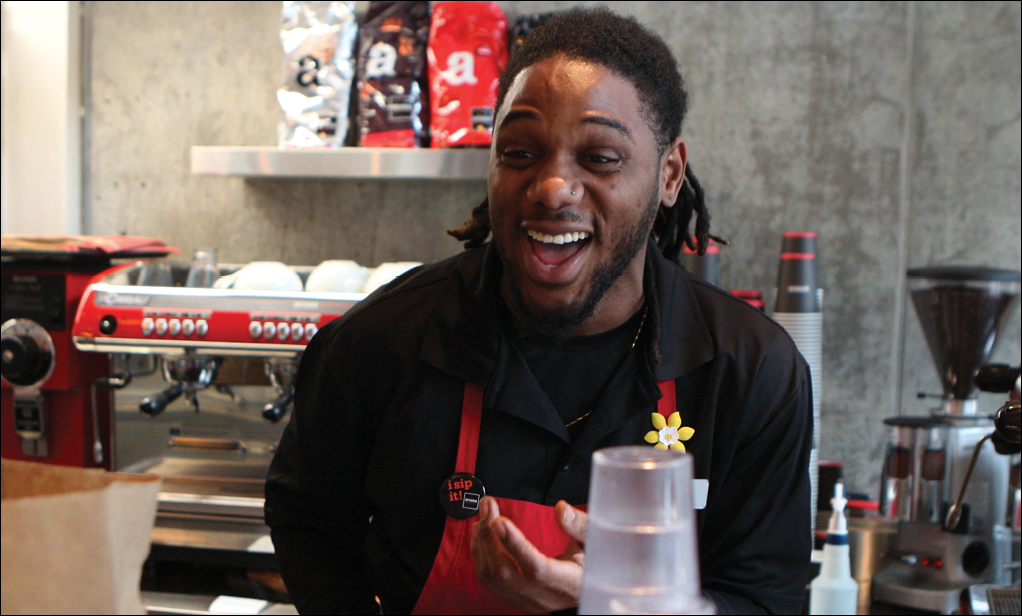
[(73, 540)]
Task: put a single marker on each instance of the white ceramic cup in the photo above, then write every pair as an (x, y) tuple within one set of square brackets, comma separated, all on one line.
[(337, 277), (267, 276), (387, 272)]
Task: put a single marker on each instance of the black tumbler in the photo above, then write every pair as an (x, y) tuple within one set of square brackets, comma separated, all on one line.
[(752, 297), (706, 267), (798, 277)]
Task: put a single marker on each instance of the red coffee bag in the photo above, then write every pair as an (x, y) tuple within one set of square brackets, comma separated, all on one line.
[(467, 53)]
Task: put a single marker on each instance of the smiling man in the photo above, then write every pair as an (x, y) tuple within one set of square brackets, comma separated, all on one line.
[(438, 454)]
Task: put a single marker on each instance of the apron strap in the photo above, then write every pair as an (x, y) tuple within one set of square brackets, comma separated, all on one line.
[(668, 404), (468, 438)]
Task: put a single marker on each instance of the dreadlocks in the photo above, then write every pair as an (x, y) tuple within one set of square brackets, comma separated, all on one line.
[(640, 56)]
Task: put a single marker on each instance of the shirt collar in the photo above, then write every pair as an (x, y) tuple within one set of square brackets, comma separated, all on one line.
[(464, 338)]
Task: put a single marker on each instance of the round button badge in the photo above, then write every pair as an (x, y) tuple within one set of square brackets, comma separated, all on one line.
[(460, 495)]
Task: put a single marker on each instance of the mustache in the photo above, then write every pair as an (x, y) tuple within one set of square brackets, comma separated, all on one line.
[(559, 216)]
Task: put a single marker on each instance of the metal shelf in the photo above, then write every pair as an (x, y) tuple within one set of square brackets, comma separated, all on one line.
[(352, 163)]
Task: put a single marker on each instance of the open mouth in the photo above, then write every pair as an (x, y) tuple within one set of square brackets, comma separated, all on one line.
[(557, 253)]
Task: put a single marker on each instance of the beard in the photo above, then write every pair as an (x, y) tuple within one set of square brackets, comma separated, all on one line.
[(556, 326)]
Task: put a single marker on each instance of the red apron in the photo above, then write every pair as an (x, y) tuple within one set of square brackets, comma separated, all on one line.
[(452, 587)]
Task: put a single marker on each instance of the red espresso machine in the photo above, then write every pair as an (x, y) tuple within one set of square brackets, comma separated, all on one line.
[(56, 403), (212, 380)]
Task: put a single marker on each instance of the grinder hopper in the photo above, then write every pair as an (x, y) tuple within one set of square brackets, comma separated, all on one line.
[(962, 311)]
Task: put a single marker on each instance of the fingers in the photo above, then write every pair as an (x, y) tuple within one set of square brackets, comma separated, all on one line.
[(572, 521), (513, 568), (530, 560), (489, 556)]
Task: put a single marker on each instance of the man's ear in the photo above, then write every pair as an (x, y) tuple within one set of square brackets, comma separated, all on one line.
[(672, 171)]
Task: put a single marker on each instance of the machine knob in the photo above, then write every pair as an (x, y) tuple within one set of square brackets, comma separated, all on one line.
[(283, 332), (108, 325), (24, 363), (997, 378), (1008, 425)]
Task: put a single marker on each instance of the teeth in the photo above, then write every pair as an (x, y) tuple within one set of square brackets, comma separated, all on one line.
[(564, 238)]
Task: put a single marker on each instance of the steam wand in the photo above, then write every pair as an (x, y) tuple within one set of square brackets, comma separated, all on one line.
[(1007, 441), (118, 381)]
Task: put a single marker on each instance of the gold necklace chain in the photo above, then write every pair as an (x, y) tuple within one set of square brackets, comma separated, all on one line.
[(639, 333), (630, 349)]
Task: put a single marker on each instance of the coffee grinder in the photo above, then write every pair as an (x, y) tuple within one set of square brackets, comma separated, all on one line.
[(962, 310), (50, 408)]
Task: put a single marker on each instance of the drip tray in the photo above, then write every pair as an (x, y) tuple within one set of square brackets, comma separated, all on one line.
[(210, 510)]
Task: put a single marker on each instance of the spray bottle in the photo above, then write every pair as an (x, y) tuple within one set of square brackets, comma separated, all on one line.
[(834, 591)]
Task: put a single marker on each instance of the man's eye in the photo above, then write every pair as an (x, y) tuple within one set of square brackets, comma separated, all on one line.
[(517, 158), (600, 163)]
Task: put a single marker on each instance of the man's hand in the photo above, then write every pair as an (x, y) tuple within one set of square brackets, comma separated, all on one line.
[(513, 569)]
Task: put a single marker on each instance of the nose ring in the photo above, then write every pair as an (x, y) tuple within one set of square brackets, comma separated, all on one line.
[(573, 193)]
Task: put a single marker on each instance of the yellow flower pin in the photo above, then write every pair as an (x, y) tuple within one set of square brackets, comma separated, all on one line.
[(669, 434)]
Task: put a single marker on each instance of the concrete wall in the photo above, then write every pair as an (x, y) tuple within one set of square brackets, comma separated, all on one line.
[(891, 128)]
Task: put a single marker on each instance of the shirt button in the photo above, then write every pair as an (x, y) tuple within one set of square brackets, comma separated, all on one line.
[(567, 467)]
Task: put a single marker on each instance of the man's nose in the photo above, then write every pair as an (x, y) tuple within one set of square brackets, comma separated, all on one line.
[(556, 184)]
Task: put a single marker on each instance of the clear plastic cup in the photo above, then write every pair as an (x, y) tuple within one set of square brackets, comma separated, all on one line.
[(204, 270), (662, 603), (642, 527)]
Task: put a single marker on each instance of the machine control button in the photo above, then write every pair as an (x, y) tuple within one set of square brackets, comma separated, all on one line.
[(297, 332), (269, 330), (255, 329), (283, 332), (201, 328), (162, 326), (310, 331), (188, 327), (108, 325), (175, 327), (148, 325)]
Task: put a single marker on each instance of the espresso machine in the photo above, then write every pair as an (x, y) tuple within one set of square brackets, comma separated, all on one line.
[(948, 488), (212, 374)]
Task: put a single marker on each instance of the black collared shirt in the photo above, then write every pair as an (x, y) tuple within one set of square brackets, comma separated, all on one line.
[(352, 494)]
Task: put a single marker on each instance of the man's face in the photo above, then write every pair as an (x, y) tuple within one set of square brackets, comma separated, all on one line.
[(574, 183)]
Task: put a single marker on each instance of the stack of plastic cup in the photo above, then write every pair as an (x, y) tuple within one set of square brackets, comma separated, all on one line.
[(706, 266), (799, 309), (642, 530)]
